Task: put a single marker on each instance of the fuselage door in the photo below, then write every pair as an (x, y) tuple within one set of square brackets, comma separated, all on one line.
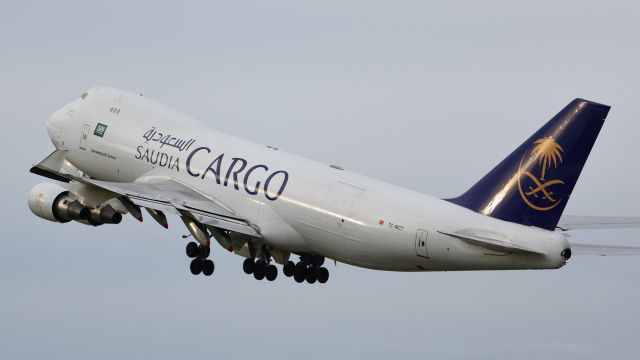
[(84, 136), (421, 243)]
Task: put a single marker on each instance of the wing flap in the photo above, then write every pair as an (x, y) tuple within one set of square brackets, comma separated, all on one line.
[(173, 195)]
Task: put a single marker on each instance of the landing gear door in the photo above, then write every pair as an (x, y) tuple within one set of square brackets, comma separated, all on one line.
[(84, 136), (421, 243)]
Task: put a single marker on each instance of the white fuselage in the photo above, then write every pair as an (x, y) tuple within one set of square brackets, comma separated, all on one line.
[(297, 204)]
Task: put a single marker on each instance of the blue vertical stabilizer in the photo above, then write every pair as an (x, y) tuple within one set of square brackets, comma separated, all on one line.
[(533, 184)]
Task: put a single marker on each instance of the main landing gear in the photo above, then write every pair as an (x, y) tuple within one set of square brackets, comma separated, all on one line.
[(260, 269), (309, 268), (200, 263)]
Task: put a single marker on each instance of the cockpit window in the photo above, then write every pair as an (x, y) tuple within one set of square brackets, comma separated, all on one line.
[(84, 95)]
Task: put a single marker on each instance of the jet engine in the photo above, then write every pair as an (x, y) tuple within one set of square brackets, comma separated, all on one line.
[(55, 203), (104, 215)]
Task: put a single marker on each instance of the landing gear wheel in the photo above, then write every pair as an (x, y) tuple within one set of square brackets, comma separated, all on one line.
[(305, 259), (248, 266), (271, 272), (207, 267), (311, 276), (196, 266), (259, 270), (323, 275), (317, 260), (289, 269), (205, 251), (192, 250), (298, 275)]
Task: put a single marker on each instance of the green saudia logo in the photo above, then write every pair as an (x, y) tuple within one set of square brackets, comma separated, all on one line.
[(100, 130)]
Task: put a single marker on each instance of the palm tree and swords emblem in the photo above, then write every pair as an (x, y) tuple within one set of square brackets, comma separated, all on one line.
[(539, 195)]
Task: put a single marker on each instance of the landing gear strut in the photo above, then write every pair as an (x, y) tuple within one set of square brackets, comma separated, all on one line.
[(200, 263)]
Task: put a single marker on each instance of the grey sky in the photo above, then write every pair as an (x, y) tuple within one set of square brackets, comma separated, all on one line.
[(426, 95)]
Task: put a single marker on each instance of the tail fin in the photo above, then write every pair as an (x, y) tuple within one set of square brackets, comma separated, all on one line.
[(533, 184)]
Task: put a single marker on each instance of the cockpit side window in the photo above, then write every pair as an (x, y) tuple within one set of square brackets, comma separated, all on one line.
[(84, 95)]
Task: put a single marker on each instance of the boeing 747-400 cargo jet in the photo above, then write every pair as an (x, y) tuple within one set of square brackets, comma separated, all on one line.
[(117, 152)]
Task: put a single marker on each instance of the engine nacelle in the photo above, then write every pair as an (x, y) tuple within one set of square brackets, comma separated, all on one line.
[(104, 215), (54, 203)]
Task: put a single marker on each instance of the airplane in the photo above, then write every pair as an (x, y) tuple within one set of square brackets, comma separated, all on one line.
[(117, 152)]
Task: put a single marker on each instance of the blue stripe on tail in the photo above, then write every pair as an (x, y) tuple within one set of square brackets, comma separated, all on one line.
[(533, 184)]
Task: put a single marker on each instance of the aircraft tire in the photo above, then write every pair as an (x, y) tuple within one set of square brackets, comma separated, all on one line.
[(317, 260), (192, 250), (323, 275), (248, 266), (196, 266), (311, 275), (305, 259), (259, 270), (298, 276), (271, 272), (207, 267), (289, 269)]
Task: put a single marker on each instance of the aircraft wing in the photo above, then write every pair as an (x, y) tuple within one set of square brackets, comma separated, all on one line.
[(172, 195), (157, 192), (569, 222)]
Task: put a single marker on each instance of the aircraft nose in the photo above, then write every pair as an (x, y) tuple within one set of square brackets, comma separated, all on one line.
[(55, 125)]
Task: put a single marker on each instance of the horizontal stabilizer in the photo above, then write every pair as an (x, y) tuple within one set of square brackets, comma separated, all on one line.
[(489, 241), (569, 222), (604, 250)]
